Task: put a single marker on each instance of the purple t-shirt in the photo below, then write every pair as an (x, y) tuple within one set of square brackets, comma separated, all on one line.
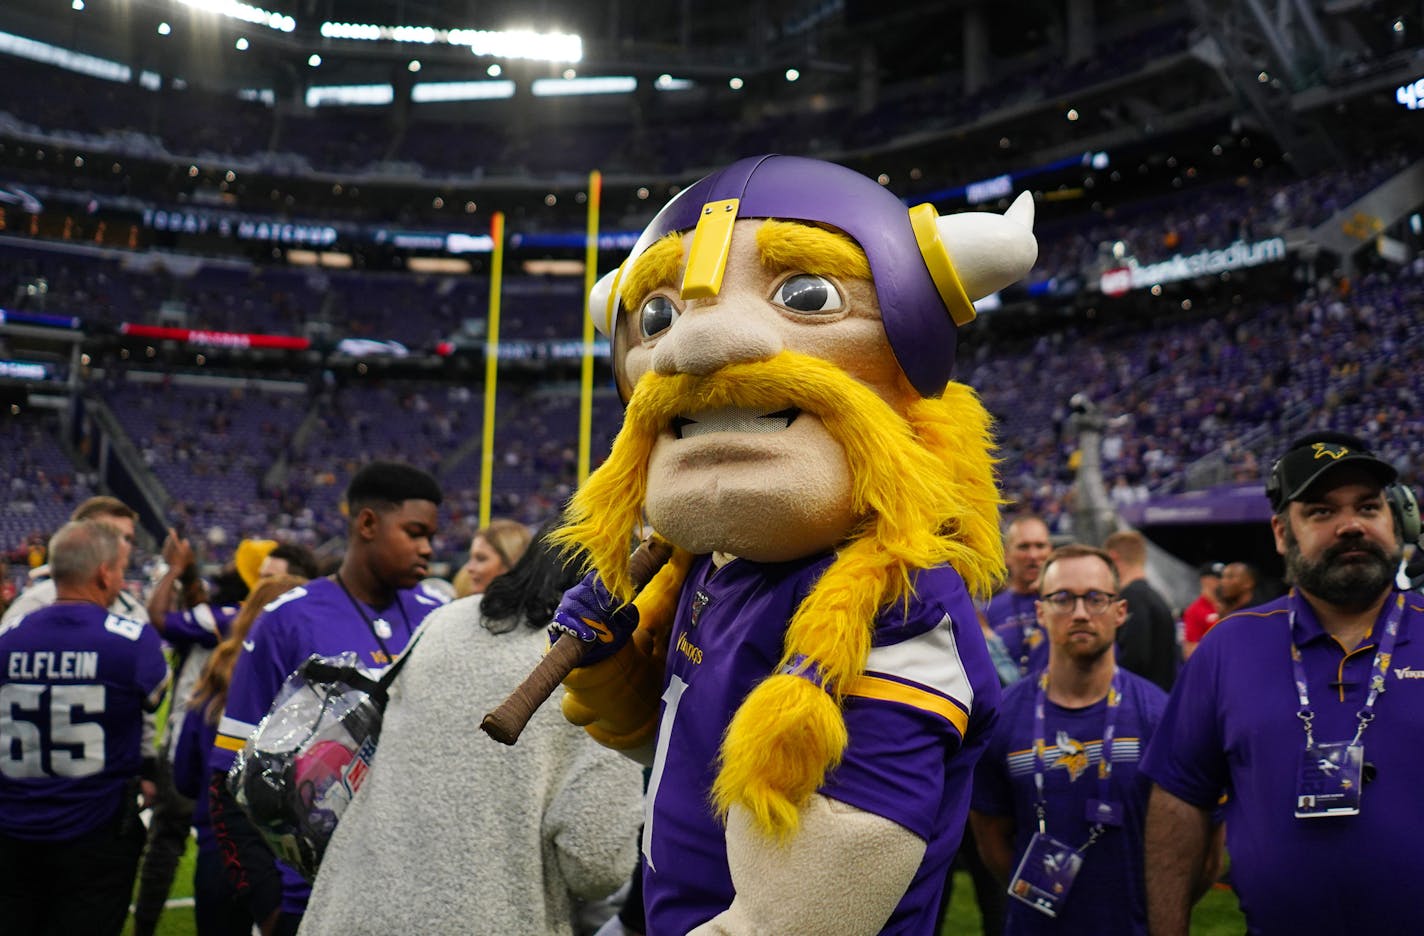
[(1108, 896), (1014, 618), (909, 760), (75, 682), (319, 618), (1231, 726)]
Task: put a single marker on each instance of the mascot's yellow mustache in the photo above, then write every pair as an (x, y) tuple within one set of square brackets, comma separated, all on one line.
[(895, 476), (923, 483)]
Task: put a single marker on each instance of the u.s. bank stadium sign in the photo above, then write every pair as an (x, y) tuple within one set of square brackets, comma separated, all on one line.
[(1238, 256)]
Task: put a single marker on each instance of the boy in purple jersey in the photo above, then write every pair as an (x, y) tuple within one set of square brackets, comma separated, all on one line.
[(370, 606), (1308, 713), (1011, 613), (75, 683), (808, 676), (1096, 719)]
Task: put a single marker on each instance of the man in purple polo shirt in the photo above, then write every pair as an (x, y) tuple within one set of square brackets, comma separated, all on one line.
[(371, 606), (1011, 612), (1308, 713), (75, 683), (1090, 720)]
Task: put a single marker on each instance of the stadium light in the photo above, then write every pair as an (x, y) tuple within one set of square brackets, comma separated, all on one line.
[(314, 60), (735, 84), (413, 66), (90, 65), (507, 44), (77, 5), (241, 44), (792, 74), (494, 71), (245, 12), (350, 95), (604, 84), (669, 83), (428, 92), (164, 29)]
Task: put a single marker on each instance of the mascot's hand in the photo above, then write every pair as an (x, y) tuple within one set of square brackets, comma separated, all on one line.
[(589, 613)]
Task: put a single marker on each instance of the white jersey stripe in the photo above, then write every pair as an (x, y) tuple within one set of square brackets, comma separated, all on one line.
[(930, 660), (235, 728)]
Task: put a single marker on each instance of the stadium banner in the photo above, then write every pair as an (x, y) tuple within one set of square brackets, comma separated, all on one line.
[(1229, 503), (214, 339), (1239, 256)]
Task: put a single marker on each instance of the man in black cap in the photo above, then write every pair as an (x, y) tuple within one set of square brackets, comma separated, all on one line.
[(1324, 816)]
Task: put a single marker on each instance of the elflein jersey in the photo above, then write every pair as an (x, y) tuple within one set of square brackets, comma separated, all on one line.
[(75, 682), (1108, 897), (917, 720)]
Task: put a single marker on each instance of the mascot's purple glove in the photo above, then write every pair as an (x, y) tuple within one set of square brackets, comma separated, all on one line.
[(588, 612)]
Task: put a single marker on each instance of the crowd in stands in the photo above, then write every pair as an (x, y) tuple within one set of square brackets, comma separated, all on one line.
[(1221, 386), (1211, 386)]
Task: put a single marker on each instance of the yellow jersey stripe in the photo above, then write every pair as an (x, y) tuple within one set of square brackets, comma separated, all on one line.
[(228, 743), (888, 690)]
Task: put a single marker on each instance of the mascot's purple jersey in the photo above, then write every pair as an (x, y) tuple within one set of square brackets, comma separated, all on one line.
[(918, 720), (75, 681)]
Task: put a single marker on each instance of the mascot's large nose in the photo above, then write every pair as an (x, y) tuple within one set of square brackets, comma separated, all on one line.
[(711, 334)]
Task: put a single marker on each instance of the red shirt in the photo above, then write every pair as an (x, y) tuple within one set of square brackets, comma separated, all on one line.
[(1200, 617)]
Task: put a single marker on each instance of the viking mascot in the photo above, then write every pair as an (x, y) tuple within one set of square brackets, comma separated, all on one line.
[(806, 676)]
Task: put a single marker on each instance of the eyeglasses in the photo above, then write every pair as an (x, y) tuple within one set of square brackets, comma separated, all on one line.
[(1063, 602)]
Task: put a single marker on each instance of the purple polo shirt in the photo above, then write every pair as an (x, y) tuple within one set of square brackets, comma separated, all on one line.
[(1108, 896), (910, 760), (1014, 617), (1231, 727), (75, 682), (319, 618)]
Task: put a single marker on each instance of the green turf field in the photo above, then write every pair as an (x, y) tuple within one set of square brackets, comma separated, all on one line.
[(1216, 915)]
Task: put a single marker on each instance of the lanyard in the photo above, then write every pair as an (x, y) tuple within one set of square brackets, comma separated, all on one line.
[(372, 624), (1379, 672), (1104, 760)]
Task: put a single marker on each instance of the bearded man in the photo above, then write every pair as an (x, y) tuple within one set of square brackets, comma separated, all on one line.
[(807, 676), (1307, 712)]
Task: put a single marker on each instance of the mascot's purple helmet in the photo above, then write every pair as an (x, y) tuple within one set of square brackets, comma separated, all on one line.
[(918, 323)]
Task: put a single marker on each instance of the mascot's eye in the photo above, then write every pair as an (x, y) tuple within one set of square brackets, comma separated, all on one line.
[(658, 315), (806, 292)]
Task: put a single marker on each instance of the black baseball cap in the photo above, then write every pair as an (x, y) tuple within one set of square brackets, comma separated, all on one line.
[(1211, 568), (1310, 457)]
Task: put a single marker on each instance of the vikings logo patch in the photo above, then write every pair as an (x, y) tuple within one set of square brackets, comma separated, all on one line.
[(1333, 452), (1072, 756)]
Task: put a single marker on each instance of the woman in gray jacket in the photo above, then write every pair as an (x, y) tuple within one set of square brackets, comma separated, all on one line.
[(453, 833)]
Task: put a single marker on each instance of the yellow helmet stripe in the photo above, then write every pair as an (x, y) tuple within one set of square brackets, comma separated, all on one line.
[(711, 242)]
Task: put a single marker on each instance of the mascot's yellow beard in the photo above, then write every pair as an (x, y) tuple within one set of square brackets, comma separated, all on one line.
[(923, 483)]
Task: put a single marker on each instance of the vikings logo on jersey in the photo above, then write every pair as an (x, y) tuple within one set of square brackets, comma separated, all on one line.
[(1072, 756)]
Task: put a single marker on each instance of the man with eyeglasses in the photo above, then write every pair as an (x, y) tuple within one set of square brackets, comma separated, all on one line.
[(1308, 712), (1058, 804)]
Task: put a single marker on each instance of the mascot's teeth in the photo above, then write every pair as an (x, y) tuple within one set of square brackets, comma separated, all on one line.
[(732, 419)]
